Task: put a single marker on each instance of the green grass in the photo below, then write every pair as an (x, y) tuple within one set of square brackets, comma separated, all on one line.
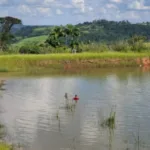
[(56, 61), (39, 29), (4, 146), (3, 70), (39, 39), (69, 56)]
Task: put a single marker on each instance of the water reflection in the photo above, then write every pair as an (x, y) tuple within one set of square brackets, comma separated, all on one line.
[(31, 106)]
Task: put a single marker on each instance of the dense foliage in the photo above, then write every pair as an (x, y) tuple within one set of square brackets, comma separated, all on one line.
[(64, 36), (6, 24), (96, 36), (96, 31)]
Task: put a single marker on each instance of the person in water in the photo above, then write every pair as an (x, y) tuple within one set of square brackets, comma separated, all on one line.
[(66, 96), (76, 98)]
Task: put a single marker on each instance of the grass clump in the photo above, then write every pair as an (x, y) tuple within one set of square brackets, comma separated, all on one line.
[(110, 121), (3, 70), (94, 47), (70, 104), (4, 146)]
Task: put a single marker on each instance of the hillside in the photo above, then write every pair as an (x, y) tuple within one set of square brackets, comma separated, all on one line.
[(97, 31), (36, 39)]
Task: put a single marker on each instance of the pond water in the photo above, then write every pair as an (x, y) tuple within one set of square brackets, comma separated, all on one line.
[(32, 108)]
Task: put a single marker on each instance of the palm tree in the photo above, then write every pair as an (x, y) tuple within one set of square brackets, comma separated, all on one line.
[(72, 33), (69, 33), (55, 35)]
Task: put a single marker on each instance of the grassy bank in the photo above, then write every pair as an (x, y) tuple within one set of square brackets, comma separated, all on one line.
[(4, 146), (61, 61)]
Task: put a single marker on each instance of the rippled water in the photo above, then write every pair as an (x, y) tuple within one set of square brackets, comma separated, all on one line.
[(29, 107)]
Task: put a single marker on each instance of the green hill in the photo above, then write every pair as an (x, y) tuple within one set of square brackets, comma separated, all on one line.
[(96, 31), (36, 39)]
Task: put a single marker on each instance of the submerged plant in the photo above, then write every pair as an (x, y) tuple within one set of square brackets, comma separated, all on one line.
[(110, 121), (57, 114), (138, 142), (2, 131), (70, 106)]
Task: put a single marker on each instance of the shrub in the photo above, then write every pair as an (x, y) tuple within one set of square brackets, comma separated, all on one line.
[(94, 47), (137, 43), (29, 49), (120, 46)]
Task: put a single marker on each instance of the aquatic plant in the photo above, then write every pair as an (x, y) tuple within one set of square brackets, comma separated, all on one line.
[(138, 141), (57, 114), (110, 121), (70, 105)]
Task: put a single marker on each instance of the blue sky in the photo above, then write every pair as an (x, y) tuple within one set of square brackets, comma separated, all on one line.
[(56, 12)]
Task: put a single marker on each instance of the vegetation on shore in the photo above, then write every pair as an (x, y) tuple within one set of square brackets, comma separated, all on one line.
[(65, 40), (4, 146), (68, 61)]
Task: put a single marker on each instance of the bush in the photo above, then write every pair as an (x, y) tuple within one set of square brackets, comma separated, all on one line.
[(137, 43), (94, 47), (29, 49), (120, 47), (138, 47)]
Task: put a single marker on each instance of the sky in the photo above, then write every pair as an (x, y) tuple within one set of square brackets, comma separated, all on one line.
[(61, 12)]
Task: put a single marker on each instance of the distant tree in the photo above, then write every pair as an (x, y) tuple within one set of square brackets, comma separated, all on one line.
[(95, 31), (6, 24)]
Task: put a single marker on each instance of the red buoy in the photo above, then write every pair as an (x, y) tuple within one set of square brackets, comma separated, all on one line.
[(76, 98)]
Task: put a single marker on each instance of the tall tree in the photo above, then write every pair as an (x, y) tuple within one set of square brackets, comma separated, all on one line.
[(6, 24)]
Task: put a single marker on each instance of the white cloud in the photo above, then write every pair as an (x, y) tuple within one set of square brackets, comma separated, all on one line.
[(139, 5), (44, 11), (59, 12), (3, 2), (39, 11), (31, 1), (130, 15), (24, 9), (80, 4), (116, 1), (59, 5), (3, 13), (103, 10), (48, 2), (111, 6), (90, 8)]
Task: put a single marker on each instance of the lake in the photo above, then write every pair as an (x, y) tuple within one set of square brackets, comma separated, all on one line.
[(33, 110)]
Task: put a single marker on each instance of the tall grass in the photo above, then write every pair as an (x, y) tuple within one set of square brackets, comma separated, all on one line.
[(94, 47), (69, 56), (25, 62), (4, 146)]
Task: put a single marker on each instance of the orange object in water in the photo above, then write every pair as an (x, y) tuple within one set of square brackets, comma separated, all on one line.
[(76, 98)]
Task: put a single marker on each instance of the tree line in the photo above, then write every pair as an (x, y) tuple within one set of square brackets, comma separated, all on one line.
[(95, 31), (124, 35)]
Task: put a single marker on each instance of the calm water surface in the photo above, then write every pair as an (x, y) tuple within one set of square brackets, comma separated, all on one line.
[(29, 106)]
